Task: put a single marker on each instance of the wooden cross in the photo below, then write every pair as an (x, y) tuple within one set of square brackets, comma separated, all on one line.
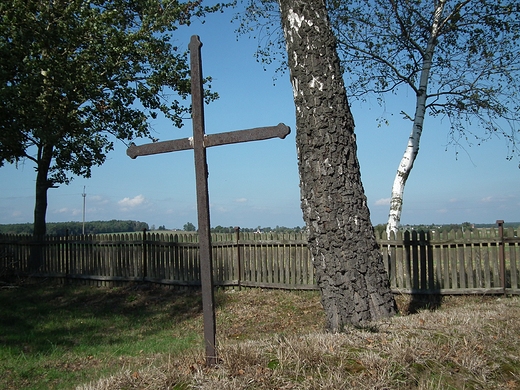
[(199, 142)]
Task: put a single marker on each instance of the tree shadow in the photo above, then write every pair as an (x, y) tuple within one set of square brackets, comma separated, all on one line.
[(420, 301), (40, 318), (420, 276)]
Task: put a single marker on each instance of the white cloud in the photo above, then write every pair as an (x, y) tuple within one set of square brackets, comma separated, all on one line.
[(487, 199), (383, 202), (241, 200), (127, 203), (67, 210), (98, 199)]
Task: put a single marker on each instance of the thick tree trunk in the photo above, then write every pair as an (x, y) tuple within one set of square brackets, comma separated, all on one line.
[(42, 186), (40, 207), (349, 267)]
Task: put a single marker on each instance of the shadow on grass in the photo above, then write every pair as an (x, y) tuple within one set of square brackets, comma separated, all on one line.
[(420, 302), (419, 265), (38, 318)]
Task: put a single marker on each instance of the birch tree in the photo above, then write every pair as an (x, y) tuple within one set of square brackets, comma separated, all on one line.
[(348, 263), (460, 59)]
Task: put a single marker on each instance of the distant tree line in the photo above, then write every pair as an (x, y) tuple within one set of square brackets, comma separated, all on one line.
[(465, 226), (258, 229), (75, 228), (190, 227), (118, 226)]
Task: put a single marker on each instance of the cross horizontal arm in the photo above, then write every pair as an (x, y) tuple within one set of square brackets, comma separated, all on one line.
[(159, 147), (256, 134), (230, 137)]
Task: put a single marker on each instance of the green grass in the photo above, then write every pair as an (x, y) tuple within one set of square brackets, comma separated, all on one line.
[(56, 336), (59, 337)]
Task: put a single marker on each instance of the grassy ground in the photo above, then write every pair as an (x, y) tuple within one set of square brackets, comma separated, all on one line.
[(59, 337), (55, 336)]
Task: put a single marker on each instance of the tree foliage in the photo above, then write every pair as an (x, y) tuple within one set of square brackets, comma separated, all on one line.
[(78, 74), (460, 60), (261, 20), (189, 227), (382, 43), (474, 77), (258, 229), (76, 228)]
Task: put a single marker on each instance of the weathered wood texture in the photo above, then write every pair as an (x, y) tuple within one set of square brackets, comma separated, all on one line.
[(454, 262)]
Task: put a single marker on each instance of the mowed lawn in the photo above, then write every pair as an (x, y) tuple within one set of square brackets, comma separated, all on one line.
[(148, 337)]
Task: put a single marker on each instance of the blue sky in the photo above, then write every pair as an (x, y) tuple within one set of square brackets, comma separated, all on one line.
[(256, 184)]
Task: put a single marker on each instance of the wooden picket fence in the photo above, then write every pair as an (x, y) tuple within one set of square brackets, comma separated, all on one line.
[(481, 261)]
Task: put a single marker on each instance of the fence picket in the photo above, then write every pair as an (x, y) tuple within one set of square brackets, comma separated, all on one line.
[(477, 261), (468, 260), (400, 254), (435, 261), (436, 254)]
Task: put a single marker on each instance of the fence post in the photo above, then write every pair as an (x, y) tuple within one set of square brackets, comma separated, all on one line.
[(145, 265), (67, 265), (501, 254), (239, 258)]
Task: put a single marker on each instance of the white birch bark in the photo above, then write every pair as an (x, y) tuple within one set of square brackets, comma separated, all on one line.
[(408, 159)]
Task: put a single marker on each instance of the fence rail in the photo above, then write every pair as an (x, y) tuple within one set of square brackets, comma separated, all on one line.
[(479, 261)]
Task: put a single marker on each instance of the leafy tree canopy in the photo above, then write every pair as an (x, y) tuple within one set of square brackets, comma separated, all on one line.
[(459, 59), (77, 74), (474, 53), (474, 81), (189, 227), (74, 73)]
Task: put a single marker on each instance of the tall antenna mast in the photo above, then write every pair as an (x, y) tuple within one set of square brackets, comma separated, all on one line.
[(84, 194)]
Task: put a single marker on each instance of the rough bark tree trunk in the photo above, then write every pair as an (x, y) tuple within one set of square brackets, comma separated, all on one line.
[(348, 263), (40, 207), (42, 186)]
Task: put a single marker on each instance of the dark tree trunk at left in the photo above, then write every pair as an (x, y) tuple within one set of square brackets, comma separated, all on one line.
[(348, 263), (40, 207), (42, 186)]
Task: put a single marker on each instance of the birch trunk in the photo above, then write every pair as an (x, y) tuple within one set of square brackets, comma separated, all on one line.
[(348, 263), (410, 154)]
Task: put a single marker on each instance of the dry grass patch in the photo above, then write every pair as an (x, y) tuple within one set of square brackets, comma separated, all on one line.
[(272, 340)]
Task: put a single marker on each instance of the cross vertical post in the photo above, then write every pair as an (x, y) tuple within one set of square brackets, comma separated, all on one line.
[(201, 179), (199, 143)]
